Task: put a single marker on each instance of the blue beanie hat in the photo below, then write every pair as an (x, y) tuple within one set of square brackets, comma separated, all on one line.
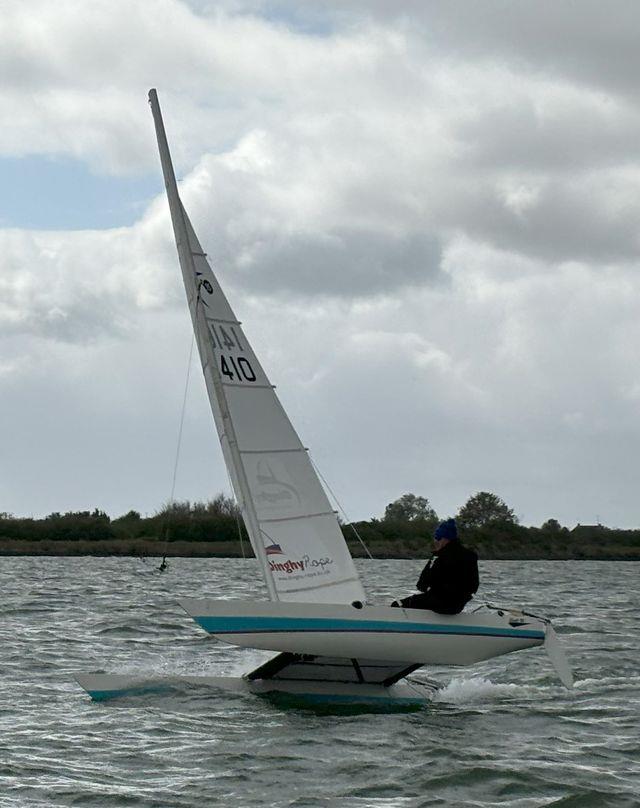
[(447, 530)]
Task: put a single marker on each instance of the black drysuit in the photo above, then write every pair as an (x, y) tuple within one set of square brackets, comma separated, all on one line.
[(449, 580)]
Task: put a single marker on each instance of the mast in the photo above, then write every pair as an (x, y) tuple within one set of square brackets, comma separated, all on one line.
[(186, 257)]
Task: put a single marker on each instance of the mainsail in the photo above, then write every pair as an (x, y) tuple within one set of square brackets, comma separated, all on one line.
[(294, 531)]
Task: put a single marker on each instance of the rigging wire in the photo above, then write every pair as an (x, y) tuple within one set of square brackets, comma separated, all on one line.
[(340, 508), (238, 510), (164, 565)]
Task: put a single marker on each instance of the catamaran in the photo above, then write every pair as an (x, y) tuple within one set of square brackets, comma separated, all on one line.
[(332, 645)]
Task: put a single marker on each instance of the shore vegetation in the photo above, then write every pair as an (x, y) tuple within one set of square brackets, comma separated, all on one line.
[(215, 528)]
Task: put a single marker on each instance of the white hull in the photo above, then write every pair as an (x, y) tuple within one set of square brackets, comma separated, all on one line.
[(106, 686), (370, 632)]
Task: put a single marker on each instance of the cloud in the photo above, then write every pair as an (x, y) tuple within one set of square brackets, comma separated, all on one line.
[(546, 38), (553, 39), (426, 219), (85, 285), (343, 262), (368, 129)]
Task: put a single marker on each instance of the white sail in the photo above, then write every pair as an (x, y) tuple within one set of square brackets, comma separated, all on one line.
[(293, 529)]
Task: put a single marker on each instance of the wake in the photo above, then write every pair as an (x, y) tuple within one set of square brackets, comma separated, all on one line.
[(481, 689)]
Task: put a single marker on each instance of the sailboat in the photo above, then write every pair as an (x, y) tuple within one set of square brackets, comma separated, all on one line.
[(332, 645)]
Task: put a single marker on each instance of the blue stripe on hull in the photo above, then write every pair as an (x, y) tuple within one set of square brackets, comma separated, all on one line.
[(311, 698), (272, 625), (123, 692)]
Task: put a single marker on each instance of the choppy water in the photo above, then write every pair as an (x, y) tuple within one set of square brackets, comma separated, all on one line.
[(503, 733)]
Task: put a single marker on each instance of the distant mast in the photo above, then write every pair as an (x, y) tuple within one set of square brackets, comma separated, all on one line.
[(292, 527)]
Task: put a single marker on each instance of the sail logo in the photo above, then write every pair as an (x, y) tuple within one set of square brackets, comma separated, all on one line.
[(287, 566), (273, 549), (310, 566), (273, 489), (200, 281)]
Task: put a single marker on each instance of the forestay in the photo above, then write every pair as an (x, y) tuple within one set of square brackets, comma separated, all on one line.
[(293, 529)]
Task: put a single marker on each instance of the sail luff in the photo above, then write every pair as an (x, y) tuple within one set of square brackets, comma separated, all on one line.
[(217, 397)]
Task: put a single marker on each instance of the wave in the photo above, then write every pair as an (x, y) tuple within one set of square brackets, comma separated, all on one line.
[(480, 689)]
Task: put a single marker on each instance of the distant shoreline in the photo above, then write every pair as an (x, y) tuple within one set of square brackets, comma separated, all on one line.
[(155, 550), (215, 530)]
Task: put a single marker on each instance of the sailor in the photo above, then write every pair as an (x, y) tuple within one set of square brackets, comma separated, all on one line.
[(450, 578)]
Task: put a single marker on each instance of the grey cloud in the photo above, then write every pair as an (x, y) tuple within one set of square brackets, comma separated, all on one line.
[(85, 286), (88, 318), (590, 42), (595, 220), (344, 262), (575, 133)]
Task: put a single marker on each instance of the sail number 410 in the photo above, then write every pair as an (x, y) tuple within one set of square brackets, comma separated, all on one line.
[(235, 369), (239, 369)]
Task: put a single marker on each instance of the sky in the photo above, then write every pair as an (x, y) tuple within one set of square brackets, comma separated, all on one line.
[(426, 215)]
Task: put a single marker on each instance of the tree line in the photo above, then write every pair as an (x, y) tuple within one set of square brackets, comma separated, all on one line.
[(175, 526), (485, 522)]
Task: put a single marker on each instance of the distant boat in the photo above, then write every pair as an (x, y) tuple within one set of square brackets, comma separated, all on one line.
[(333, 645)]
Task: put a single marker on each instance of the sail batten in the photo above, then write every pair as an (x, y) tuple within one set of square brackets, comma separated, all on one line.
[(291, 518), (272, 450), (256, 386), (315, 587), (292, 527)]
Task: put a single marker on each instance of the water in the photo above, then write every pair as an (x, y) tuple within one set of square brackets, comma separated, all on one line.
[(503, 733)]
